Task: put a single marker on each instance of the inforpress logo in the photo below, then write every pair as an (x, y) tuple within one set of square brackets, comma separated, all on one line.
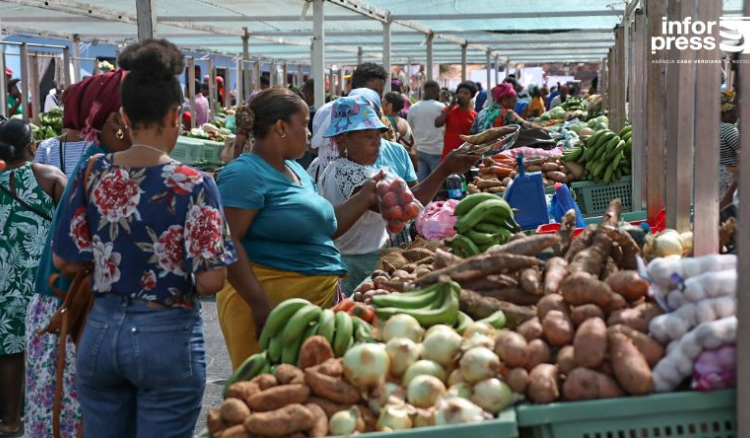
[(699, 35)]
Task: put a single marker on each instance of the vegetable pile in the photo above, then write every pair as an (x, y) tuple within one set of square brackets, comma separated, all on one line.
[(605, 157), (50, 125), (484, 220), (496, 173)]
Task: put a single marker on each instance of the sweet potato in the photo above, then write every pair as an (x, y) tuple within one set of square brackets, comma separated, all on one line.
[(491, 282), (638, 317), (234, 411), (550, 167), (243, 390), (518, 380), (332, 367), (551, 302), (586, 384), (214, 422), (315, 350), (579, 314), (629, 365), (237, 431), (566, 359), (582, 288), (278, 396), (543, 387), (479, 307), (531, 329), (332, 388), (530, 280), (590, 343), (650, 348), (284, 421), (558, 329), (538, 353), (557, 176), (629, 284), (512, 349), (328, 406), (479, 266), (320, 425), (289, 374), (265, 381), (554, 273), (532, 169)]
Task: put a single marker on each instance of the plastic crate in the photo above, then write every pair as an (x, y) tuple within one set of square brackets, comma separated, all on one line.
[(211, 152), (187, 150), (593, 198), (686, 414)]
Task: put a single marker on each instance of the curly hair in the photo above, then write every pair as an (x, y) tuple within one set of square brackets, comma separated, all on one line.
[(367, 72), (470, 86)]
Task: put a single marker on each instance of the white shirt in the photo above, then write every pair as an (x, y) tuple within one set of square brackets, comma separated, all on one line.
[(48, 152), (421, 117)]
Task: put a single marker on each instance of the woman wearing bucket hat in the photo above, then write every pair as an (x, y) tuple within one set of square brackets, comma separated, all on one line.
[(355, 129)]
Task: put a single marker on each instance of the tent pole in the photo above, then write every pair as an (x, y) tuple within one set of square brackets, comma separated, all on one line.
[(240, 93), (488, 85), (342, 87), (318, 58), (211, 88), (191, 87), (655, 113), (146, 19), (387, 54), (285, 72), (33, 87), (359, 55), (76, 59), (428, 67), (272, 74), (24, 52), (246, 73), (463, 61), (639, 119)]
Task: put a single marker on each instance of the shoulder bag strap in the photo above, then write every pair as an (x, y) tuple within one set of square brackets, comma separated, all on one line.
[(62, 140), (23, 203)]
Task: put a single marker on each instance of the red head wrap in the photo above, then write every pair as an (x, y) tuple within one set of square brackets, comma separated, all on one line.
[(501, 91), (89, 103)]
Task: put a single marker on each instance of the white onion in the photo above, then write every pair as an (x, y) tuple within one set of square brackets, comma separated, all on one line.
[(441, 346), (394, 417), (424, 418), (366, 365), (388, 393), (479, 327), (438, 328), (422, 367), (346, 422), (402, 326), (478, 364), (457, 410), (403, 352), (424, 391), (477, 340), (462, 390), (455, 377), (492, 395)]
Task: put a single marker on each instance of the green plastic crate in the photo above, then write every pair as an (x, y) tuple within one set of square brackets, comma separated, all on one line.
[(187, 150), (687, 414), (593, 198), (211, 152)]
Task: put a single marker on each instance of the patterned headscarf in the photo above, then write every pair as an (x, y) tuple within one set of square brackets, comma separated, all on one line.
[(501, 91), (89, 103), (727, 99)]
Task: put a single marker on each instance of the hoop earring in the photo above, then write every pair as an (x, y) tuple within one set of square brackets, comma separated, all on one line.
[(283, 135), (346, 153), (119, 134)]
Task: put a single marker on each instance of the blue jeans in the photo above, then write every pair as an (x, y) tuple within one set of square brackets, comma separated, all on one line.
[(427, 164), (140, 371)]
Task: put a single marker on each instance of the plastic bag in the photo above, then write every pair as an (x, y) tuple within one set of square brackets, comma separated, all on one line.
[(562, 201), (716, 369), (397, 203), (437, 220)]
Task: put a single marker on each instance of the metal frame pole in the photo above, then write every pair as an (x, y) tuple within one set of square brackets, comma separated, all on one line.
[(257, 73), (342, 86), (66, 66), (299, 76), (191, 87), (497, 72), (387, 54), (76, 59), (246, 73), (146, 14), (285, 71), (464, 48), (619, 75), (488, 85), (360, 53), (240, 93), (318, 58), (272, 74), (331, 81), (211, 87), (639, 119), (655, 112), (24, 52), (33, 87), (428, 67)]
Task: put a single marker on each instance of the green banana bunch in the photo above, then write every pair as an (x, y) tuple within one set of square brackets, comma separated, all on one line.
[(606, 155), (442, 307), (251, 367), (484, 220)]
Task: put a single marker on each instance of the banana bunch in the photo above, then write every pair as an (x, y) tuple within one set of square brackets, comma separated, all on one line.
[(484, 220), (251, 367), (606, 155), (436, 304), (293, 321)]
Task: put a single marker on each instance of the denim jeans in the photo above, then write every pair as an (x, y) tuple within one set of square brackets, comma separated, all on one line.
[(140, 371), (427, 164)]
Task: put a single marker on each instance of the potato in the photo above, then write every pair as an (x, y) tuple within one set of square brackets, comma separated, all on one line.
[(287, 374), (638, 318), (315, 350), (566, 359), (512, 349), (320, 425), (332, 367), (285, 421), (582, 288), (265, 381), (531, 169), (234, 411), (538, 353), (243, 390), (590, 343), (579, 314), (557, 176), (549, 167), (543, 386), (278, 397), (629, 284), (237, 431), (214, 422), (518, 380), (629, 365), (551, 302), (332, 388), (530, 330), (650, 348), (557, 327), (586, 384)]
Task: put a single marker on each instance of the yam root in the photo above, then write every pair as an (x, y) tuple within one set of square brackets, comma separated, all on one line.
[(590, 343), (558, 328), (289, 374), (512, 349), (280, 422), (543, 387), (582, 242), (566, 359), (582, 288), (566, 231), (630, 249), (530, 280), (586, 384), (629, 365), (214, 422), (593, 258), (580, 314), (328, 406), (491, 282), (554, 273), (527, 246), (531, 329), (278, 397), (629, 284), (320, 424), (518, 380), (487, 136), (265, 381), (480, 266), (332, 388), (315, 350), (514, 296), (234, 411), (243, 390), (551, 302), (610, 268), (638, 317), (479, 307), (443, 259), (650, 348), (538, 353)]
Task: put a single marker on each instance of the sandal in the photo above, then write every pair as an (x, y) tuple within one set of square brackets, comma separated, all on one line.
[(6, 432)]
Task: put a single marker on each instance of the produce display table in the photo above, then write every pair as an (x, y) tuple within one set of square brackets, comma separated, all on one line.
[(195, 150), (686, 414)]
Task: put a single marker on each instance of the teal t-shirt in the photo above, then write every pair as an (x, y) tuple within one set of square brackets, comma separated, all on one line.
[(294, 226), (396, 159)]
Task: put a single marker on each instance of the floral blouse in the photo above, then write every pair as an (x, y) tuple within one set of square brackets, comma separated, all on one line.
[(147, 229)]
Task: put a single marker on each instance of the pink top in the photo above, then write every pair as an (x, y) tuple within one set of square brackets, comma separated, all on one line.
[(201, 109)]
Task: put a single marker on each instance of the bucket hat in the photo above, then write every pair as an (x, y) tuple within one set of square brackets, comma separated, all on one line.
[(351, 114)]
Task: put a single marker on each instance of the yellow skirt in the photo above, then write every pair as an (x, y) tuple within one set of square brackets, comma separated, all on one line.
[(236, 319)]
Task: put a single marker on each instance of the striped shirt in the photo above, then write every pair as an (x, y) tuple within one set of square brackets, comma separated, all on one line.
[(48, 153), (729, 144)]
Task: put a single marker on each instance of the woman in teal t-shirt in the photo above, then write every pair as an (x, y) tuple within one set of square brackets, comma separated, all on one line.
[(282, 229)]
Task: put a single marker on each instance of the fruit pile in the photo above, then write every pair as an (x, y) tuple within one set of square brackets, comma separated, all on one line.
[(397, 203), (605, 156), (433, 305), (484, 220)]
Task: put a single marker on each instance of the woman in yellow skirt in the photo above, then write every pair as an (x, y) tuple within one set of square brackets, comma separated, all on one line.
[(282, 229)]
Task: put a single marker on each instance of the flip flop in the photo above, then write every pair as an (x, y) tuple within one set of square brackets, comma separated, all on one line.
[(5, 432)]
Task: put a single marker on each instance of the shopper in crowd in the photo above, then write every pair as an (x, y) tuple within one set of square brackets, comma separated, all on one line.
[(28, 194), (393, 103), (562, 97), (361, 153), (93, 109), (265, 83), (545, 95), (446, 97), (536, 106), (52, 100), (282, 229), (428, 138), (593, 88), (554, 92), (219, 88), (481, 98), (154, 230), (457, 117), (14, 98), (501, 112), (729, 146), (202, 105), (65, 150)]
